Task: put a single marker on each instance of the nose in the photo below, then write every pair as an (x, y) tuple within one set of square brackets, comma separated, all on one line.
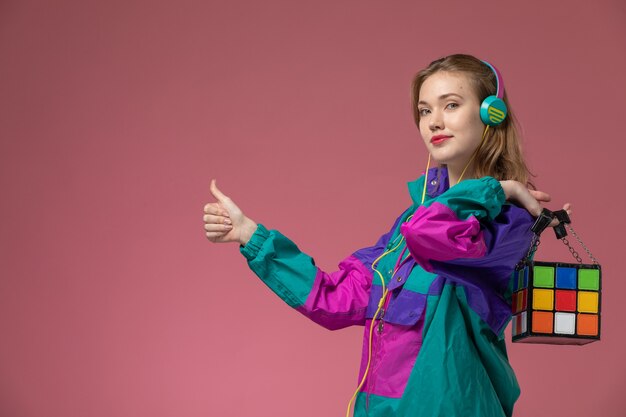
[(436, 121)]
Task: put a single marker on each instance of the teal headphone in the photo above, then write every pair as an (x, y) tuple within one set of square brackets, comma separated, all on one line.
[(493, 111)]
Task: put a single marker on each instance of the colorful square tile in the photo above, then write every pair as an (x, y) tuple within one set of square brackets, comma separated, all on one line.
[(526, 277), (587, 301), (542, 322), (588, 279), (587, 325), (565, 300), (519, 280), (566, 278), (564, 323), (516, 328), (543, 299), (543, 276)]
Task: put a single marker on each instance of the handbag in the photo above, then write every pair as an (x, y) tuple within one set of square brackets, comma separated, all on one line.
[(556, 302)]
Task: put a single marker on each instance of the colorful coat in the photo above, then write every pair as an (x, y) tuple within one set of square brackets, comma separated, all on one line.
[(440, 348)]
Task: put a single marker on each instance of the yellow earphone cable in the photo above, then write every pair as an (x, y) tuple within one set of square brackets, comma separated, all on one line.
[(475, 153), (426, 179)]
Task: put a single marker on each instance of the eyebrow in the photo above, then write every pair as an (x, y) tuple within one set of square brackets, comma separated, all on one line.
[(442, 97)]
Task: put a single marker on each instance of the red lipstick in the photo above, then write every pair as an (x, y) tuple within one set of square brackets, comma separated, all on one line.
[(435, 140)]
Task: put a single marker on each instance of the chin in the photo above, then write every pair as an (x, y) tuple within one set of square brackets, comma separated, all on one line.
[(440, 159), (446, 158)]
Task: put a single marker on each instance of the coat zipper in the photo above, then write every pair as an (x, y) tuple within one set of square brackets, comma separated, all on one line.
[(379, 329)]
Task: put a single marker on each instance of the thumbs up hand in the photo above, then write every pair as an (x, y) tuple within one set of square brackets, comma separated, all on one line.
[(224, 221)]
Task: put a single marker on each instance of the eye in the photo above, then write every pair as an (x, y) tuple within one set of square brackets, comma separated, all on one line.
[(452, 106), (423, 112)]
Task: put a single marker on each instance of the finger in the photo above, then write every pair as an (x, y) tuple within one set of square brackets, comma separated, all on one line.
[(535, 208), (215, 236), (209, 218), (540, 195), (529, 202), (209, 227), (212, 208), (216, 209), (568, 208), (216, 192)]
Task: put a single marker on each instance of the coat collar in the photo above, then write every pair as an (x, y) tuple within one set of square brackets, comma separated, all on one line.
[(437, 184)]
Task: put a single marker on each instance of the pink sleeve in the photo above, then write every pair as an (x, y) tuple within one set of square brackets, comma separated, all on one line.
[(435, 233)]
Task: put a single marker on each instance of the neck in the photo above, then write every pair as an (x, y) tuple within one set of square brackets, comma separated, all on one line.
[(456, 174)]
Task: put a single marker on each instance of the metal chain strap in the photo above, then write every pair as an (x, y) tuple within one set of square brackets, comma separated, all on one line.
[(540, 224), (534, 244), (573, 251)]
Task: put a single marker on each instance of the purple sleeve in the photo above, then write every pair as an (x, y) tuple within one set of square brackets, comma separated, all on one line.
[(478, 255), (505, 240)]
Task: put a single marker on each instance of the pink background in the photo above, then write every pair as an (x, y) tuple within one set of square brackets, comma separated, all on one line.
[(115, 115)]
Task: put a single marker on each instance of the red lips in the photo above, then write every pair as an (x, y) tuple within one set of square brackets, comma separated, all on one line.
[(438, 139)]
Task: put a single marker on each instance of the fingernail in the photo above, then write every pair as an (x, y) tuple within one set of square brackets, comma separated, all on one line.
[(227, 221)]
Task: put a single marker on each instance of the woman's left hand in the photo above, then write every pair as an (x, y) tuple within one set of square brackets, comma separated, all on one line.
[(529, 199)]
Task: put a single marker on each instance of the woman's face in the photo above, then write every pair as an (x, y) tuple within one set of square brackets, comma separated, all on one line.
[(450, 118)]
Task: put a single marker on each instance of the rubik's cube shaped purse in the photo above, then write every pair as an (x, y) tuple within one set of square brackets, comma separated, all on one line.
[(556, 302)]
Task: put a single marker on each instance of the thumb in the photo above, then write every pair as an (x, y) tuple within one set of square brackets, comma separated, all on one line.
[(217, 193)]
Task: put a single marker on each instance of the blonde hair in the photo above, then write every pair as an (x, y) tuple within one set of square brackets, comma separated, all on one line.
[(500, 154)]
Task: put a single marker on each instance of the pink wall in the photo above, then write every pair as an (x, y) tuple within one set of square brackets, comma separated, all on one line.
[(115, 115)]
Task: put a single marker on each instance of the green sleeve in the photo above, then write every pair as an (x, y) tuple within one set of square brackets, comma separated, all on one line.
[(281, 265)]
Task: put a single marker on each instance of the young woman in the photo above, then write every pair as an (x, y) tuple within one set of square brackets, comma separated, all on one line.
[(432, 293)]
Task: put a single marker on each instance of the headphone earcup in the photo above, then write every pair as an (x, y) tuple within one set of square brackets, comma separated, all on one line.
[(493, 111)]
